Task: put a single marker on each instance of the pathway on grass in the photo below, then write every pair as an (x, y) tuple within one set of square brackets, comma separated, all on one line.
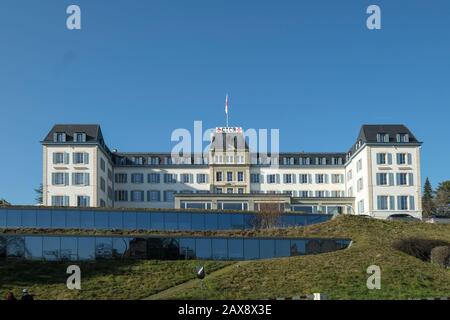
[(193, 283)]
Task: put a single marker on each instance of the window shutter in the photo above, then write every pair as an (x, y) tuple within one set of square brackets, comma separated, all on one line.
[(53, 178), (55, 137), (66, 201), (261, 178), (165, 196), (389, 156), (391, 202), (311, 194), (66, 178), (73, 178), (409, 158), (378, 158), (411, 203), (378, 179), (398, 158), (391, 179), (411, 179), (325, 178), (66, 158), (54, 158), (86, 158), (398, 137), (399, 202), (398, 179), (294, 178), (378, 202), (86, 179), (310, 180), (277, 178)]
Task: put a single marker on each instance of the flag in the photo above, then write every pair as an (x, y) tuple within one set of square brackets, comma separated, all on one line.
[(226, 104)]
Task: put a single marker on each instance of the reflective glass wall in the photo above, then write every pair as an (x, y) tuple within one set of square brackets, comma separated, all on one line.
[(61, 218), (73, 248)]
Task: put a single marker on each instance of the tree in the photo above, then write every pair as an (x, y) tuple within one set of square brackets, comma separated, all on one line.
[(442, 200), (427, 199), (39, 194)]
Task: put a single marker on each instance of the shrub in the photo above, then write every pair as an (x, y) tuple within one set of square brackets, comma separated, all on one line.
[(419, 248), (441, 256)]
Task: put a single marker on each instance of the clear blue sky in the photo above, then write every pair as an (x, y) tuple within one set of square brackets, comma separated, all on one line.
[(143, 68)]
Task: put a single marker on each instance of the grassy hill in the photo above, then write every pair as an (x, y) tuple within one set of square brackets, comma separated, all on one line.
[(340, 275)]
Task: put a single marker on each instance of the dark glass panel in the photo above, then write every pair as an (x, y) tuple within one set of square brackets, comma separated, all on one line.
[(328, 245), (224, 221), (101, 220), (86, 248), (15, 247), (58, 219), (170, 249), (300, 220), (154, 248), (235, 249), (187, 248), (157, 220), (138, 248), (3, 242), (298, 247), (33, 248), (44, 219), (171, 221), (3, 214), (219, 249), (211, 221), (251, 249), (288, 220), (249, 221), (267, 248), (73, 219), (121, 247), (129, 220), (14, 219), (237, 221), (51, 247), (143, 220), (184, 221), (203, 248), (312, 246), (198, 221), (69, 249), (87, 220), (282, 248), (103, 248), (29, 218), (115, 220)]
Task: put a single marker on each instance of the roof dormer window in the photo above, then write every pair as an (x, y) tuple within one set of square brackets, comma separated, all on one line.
[(383, 137), (59, 137), (402, 137), (79, 137)]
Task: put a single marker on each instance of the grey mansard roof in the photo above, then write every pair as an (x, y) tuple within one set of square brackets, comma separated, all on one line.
[(368, 132), (92, 131)]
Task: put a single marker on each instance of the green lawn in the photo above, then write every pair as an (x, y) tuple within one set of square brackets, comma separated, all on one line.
[(340, 275)]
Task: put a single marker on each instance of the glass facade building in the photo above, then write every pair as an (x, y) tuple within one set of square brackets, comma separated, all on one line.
[(75, 248), (104, 219)]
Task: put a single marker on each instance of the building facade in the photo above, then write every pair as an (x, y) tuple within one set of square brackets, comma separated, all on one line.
[(378, 176)]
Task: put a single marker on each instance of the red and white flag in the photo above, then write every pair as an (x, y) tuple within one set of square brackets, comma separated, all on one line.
[(226, 104)]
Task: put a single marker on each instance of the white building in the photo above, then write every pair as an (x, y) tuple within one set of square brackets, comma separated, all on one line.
[(379, 176)]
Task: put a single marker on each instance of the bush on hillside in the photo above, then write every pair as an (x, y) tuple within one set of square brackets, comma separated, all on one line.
[(441, 256), (419, 248)]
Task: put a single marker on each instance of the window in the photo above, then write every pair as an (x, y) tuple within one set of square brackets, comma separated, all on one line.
[(60, 178), (359, 165), (102, 203), (121, 178), (137, 195), (59, 137), (137, 178), (401, 179), (80, 178), (382, 179), (169, 196), (303, 194), (320, 194), (60, 158), (350, 192), (186, 178), (402, 202), (381, 158), (402, 137), (240, 176), (401, 158), (153, 178), (218, 176), (110, 193), (240, 190), (229, 159), (320, 178), (361, 206), (80, 158), (202, 178), (153, 196), (83, 201), (137, 160), (153, 160), (218, 190), (110, 174), (383, 137), (60, 201), (287, 178), (303, 178), (271, 178), (349, 175), (102, 184), (382, 202), (359, 185), (240, 159), (229, 176), (337, 178), (102, 164), (229, 190), (121, 195), (79, 137), (254, 178)]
